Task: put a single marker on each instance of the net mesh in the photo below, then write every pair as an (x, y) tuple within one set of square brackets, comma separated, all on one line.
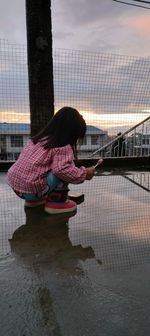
[(113, 94)]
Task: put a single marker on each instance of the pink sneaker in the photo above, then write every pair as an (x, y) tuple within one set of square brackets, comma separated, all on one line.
[(56, 207)]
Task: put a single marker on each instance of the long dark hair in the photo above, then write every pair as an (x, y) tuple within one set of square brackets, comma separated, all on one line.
[(65, 127)]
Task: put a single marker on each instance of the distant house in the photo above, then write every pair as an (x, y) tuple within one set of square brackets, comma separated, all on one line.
[(13, 138), (94, 139)]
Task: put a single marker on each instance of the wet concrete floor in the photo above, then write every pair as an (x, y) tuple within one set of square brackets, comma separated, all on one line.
[(83, 274)]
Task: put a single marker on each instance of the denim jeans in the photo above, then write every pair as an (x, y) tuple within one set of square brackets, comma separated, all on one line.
[(52, 183)]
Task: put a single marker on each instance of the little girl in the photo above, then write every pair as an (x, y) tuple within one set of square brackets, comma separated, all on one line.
[(46, 165)]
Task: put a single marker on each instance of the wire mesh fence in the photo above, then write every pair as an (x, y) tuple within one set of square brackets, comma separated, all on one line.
[(112, 92)]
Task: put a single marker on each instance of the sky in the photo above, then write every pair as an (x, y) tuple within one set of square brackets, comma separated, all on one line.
[(97, 26)]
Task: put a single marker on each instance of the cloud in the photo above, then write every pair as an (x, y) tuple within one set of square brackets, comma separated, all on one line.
[(84, 24), (13, 21), (13, 77), (94, 76), (141, 25), (99, 26), (86, 11), (102, 83), (96, 82)]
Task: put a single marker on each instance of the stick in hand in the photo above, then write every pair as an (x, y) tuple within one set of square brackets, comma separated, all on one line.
[(99, 162)]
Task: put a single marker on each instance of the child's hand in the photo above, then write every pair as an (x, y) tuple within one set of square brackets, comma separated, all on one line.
[(90, 173)]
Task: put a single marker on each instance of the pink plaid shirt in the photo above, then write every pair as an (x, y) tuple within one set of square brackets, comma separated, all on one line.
[(29, 173)]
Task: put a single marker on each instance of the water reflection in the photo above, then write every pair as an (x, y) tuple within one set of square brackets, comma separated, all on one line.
[(52, 265), (141, 179), (44, 240)]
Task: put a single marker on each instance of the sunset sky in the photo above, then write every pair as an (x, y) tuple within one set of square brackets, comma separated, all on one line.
[(88, 26)]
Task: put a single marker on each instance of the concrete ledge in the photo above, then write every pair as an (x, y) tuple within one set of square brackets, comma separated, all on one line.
[(139, 163), (135, 163)]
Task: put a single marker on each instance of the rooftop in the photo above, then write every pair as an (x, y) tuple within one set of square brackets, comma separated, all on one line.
[(7, 128)]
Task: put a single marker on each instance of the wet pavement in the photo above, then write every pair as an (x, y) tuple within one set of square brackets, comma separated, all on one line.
[(86, 274)]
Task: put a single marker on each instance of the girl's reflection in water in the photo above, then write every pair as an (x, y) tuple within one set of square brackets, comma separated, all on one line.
[(44, 242)]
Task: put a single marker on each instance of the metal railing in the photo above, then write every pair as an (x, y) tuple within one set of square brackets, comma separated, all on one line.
[(135, 142)]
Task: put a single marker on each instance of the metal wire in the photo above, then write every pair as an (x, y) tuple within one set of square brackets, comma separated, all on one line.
[(114, 220), (131, 4)]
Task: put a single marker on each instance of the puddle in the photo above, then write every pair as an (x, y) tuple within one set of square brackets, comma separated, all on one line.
[(83, 274)]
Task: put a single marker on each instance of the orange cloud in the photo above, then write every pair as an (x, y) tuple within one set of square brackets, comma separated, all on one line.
[(141, 24)]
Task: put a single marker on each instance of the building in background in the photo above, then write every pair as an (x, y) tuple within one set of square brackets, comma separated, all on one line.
[(13, 138), (94, 139)]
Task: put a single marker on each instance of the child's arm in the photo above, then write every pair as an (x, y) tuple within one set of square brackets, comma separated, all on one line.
[(64, 168)]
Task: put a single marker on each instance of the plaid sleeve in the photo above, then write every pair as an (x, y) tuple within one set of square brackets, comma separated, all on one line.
[(64, 168)]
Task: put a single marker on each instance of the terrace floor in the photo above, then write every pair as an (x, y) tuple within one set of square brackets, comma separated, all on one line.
[(83, 275)]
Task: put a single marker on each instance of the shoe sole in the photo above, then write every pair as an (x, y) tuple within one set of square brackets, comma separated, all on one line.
[(58, 211), (76, 197)]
